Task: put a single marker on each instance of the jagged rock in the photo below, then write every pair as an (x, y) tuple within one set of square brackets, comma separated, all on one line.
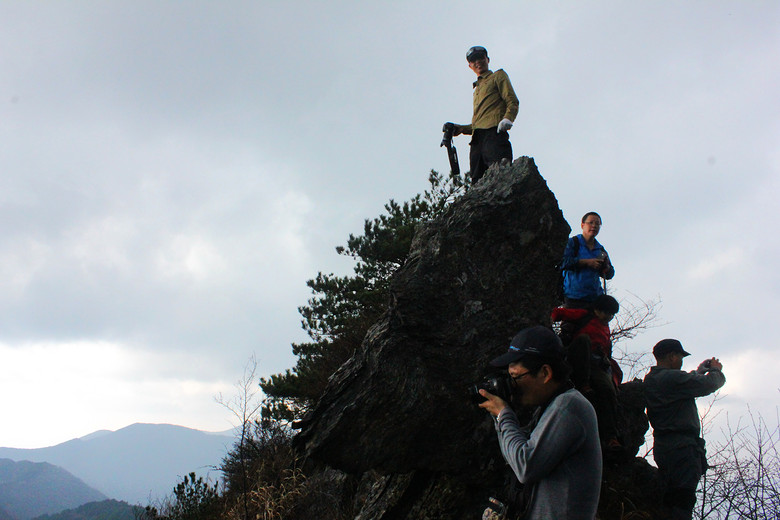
[(473, 276), (631, 490), (397, 415), (632, 421)]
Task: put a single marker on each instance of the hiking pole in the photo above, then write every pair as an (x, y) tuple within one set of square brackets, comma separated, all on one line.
[(452, 153)]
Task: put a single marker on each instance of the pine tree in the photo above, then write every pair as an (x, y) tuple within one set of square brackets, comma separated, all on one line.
[(343, 308), (193, 499)]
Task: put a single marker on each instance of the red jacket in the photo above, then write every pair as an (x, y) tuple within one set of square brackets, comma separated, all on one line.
[(597, 331)]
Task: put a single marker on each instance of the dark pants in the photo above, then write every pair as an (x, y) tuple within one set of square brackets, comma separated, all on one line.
[(681, 464), (587, 372), (572, 303), (680, 502), (487, 147), (604, 402)]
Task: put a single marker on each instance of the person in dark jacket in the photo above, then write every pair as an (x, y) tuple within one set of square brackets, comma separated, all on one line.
[(595, 372), (678, 448)]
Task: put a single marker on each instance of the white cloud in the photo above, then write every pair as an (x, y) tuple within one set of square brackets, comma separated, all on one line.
[(190, 257), (104, 243), (751, 373), (170, 189), (21, 259), (61, 391), (714, 264), (751, 389)]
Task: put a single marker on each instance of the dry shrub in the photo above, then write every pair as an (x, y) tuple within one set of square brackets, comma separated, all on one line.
[(270, 500)]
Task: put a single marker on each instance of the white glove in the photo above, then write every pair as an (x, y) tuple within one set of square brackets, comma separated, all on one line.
[(504, 125)]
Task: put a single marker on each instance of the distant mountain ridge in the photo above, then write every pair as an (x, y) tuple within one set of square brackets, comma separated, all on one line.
[(105, 510), (31, 489), (137, 464)]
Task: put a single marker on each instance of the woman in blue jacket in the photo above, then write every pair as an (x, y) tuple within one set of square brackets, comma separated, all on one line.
[(585, 262)]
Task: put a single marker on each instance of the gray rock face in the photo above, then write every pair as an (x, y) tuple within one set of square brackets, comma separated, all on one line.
[(474, 277), (397, 419)]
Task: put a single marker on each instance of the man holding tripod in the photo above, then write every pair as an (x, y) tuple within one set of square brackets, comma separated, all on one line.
[(495, 110)]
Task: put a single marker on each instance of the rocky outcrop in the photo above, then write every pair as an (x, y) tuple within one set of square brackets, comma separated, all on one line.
[(397, 416)]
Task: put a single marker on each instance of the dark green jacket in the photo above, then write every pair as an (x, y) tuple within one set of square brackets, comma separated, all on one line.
[(671, 399)]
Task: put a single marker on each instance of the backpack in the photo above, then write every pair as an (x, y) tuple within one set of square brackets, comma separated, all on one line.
[(570, 329), (559, 294)]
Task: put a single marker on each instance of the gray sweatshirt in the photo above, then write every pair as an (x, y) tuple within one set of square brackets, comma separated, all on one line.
[(559, 455)]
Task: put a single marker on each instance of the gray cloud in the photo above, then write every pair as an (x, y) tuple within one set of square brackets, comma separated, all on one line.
[(173, 173)]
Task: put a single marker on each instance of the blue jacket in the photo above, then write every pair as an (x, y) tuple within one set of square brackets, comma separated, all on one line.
[(583, 283)]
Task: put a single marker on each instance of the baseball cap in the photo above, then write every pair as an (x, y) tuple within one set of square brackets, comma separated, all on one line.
[(666, 346), (476, 53), (536, 341), (606, 303)]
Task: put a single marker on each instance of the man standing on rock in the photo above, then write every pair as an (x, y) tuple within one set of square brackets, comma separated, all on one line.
[(678, 448), (557, 456), (495, 110)]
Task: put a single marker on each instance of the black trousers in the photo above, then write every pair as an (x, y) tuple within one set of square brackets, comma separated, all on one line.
[(680, 502), (487, 147), (603, 395)]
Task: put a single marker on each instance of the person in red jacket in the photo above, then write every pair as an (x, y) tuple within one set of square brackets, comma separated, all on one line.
[(589, 352)]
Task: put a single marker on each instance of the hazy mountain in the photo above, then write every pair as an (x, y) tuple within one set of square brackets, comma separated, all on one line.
[(139, 463), (105, 510), (30, 489)]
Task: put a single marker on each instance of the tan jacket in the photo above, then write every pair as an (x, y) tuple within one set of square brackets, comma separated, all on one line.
[(494, 100)]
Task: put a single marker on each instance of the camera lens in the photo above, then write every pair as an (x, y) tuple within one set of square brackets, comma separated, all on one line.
[(497, 385)]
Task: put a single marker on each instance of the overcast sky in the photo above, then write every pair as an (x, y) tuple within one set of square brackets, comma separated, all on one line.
[(174, 172)]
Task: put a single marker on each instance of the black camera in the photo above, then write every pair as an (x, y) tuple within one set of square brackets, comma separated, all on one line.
[(452, 154), (449, 131), (499, 385)]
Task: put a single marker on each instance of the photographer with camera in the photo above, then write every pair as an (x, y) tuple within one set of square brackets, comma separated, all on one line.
[(557, 456), (678, 448), (495, 110)]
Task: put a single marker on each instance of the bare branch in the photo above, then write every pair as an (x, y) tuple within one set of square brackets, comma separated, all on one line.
[(744, 476), (635, 317)]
